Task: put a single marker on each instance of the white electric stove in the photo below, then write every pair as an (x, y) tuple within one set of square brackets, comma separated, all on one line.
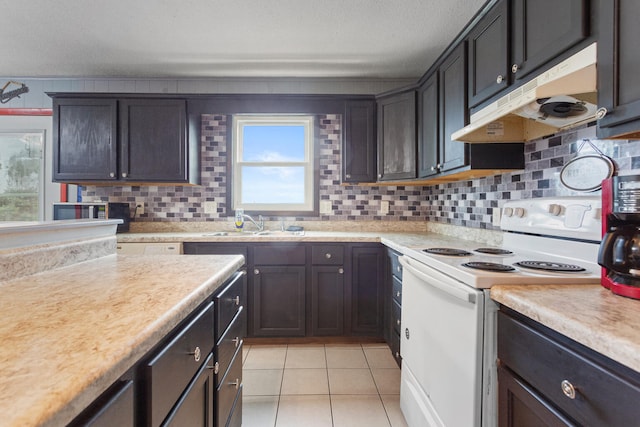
[(449, 320)]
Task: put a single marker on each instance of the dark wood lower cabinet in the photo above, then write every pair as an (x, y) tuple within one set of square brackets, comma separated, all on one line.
[(278, 301), (367, 290), (114, 408), (327, 300), (195, 407)]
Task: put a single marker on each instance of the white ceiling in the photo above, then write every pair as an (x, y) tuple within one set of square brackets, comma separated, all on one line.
[(233, 38)]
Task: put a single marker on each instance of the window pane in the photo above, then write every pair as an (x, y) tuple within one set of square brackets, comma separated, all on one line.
[(20, 176), (272, 184), (273, 143)]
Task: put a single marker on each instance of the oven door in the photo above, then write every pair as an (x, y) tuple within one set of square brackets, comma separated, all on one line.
[(441, 347)]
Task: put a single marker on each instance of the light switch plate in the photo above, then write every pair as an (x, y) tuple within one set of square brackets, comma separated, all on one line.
[(210, 207), (140, 209)]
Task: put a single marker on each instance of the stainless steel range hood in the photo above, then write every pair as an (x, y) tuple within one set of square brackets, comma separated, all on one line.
[(541, 106)]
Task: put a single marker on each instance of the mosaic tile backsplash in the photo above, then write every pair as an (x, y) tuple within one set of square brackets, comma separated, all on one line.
[(464, 203)]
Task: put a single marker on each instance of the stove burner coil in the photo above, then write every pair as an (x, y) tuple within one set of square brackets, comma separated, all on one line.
[(489, 266), (447, 251), (493, 251), (550, 266)]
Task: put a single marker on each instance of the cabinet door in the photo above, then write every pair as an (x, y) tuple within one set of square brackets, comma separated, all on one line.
[(453, 108), (619, 67), (195, 407), (367, 290), (397, 137), (84, 140), (278, 298), (153, 142), (543, 29), (114, 408), (327, 300), (428, 131), (520, 405), (359, 144), (489, 55)]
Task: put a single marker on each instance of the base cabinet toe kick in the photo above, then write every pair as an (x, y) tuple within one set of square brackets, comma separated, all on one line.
[(192, 377)]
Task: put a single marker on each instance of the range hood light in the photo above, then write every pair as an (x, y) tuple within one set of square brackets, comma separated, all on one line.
[(540, 107)]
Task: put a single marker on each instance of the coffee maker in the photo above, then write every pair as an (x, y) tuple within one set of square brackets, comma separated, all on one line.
[(619, 253)]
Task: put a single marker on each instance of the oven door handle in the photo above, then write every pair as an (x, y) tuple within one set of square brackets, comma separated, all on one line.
[(437, 280)]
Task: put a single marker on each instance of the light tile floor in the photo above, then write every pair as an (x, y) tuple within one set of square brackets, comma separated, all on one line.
[(315, 385)]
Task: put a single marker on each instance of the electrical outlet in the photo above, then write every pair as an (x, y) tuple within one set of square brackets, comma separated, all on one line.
[(210, 207), (325, 207), (384, 207), (496, 217), (140, 209)]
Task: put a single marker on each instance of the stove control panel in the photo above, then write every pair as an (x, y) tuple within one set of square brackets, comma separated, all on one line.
[(573, 217)]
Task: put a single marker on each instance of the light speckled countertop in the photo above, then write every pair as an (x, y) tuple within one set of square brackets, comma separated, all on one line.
[(588, 314), (68, 333)]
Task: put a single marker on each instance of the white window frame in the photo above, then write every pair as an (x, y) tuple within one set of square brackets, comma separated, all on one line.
[(239, 122)]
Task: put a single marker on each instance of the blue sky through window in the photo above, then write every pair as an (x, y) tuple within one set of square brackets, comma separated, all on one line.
[(273, 143)]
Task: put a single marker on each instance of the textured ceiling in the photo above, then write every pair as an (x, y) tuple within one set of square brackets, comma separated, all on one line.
[(239, 38)]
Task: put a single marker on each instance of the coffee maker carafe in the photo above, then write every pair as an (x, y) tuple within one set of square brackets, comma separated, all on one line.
[(619, 253)]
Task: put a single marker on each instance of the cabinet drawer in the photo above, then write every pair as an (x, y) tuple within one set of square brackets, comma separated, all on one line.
[(235, 419), (228, 389), (397, 290), (396, 315), (168, 373), (327, 255), (602, 396), (228, 302), (279, 254), (229, 343), (396, 267)]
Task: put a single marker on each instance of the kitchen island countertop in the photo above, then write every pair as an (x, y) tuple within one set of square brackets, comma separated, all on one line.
[(588, 314), (69, 333)]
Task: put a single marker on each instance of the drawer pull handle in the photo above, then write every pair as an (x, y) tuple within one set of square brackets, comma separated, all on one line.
[(236, 341), (215, 368), (568, 389), (196, 353), (236, 300), (235, 383)]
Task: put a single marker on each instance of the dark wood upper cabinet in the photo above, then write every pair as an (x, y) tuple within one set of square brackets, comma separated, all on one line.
[(397, 136), (489, 68), (153, 140), (428, 127), (104, 139), (85, 139), (359, 144), (543, 29), (619, 68), (453, 108)]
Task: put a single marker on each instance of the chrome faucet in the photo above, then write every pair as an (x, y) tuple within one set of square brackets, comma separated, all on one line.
[(259, 225)]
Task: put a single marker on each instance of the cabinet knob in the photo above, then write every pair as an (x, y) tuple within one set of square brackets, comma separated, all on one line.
[(215, 368), (399, 269), (236, 300), (398, 294), (236, 341), (515, 68), (433, 168), (348, 176), (327, 255), (235, 383), (397, 354), (398, 322), (124, 174), (379, 175), (256, 271), (601, 112), (341, 271), (112, 175), (568, 389), (499, 79), (196, 353)]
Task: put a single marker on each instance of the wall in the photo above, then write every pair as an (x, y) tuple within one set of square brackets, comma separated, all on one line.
[(465, 203)]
